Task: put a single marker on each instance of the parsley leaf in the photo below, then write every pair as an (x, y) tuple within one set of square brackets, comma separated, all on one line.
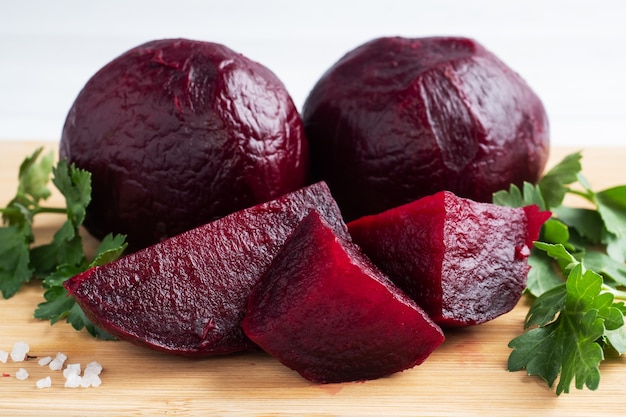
[(577, 275), (60, 305), (66, 246), (63, 257), (17, 236), (542, 276), (553, 185), (514, 197), (612, 206), (568, 345), (15, 268)]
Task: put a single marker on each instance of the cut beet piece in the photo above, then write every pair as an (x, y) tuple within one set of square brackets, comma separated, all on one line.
[(324, 310), (187, 295), (464, 262)]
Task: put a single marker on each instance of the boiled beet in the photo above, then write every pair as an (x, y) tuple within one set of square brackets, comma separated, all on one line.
[(177, 133), (464, 262), (397, 119), (187, 295), (325, 311)]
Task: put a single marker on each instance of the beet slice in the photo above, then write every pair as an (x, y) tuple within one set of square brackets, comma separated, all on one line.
[(324, 310), (464, 262), (187, 295)]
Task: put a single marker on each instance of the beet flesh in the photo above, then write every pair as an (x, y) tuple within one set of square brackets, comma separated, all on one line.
[(177, 133), (324, 310), (187, 295), (397, 119), (463, 261)]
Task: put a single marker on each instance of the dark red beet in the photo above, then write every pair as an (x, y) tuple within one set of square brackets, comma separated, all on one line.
[(187, 295), (464, 262), (177, 133), (325, 311), (398, 119)]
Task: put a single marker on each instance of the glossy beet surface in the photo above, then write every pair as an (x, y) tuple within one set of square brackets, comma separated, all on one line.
[(325, 311), (177, 133), (397, 119), (464, 262), (187, 295)]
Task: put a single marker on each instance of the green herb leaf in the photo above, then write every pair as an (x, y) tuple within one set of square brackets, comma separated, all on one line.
[(547, 307), (568, 344), (612, 206), (59, 304), (555, 231), (63, 257), (34, 175), (616, 247), (17, 236), (110, 248), (33, 178), (616, 339), (612, 270), (515, 197), (538, 352), (577, 270), (558, 252), (15, 268), (77, 319), (65, 248), (553, 184), (587, 223), (542, 276)]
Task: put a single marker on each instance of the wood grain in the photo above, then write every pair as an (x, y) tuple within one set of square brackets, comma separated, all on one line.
[(467, 376)]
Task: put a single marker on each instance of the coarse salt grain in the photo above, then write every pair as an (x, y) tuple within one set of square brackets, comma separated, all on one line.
[(91, 380), (57, 363), (19, 352), (71, 372), (72, 368), (21, 374), (44, 382), (45, 360), (72, 381), (93, 368)]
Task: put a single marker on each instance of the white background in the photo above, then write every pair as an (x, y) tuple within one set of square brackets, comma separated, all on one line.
[(571, 52)]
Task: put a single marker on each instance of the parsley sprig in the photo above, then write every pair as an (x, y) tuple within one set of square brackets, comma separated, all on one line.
[(54, 262), (577, 279)]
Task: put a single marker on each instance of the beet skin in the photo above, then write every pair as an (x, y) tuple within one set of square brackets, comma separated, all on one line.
[(177, 133), (397, 119)]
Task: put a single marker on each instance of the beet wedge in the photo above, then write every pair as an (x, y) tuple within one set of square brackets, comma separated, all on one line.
[(187, 295), (464, 262), (324, 310)]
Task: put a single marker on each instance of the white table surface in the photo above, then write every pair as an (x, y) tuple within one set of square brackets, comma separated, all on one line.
[(572, 52)]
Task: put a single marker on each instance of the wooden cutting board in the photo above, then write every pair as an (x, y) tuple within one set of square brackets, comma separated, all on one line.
[(466, 376)]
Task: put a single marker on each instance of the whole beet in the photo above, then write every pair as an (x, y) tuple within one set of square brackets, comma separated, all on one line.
[(397, 119), (177, 133)]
